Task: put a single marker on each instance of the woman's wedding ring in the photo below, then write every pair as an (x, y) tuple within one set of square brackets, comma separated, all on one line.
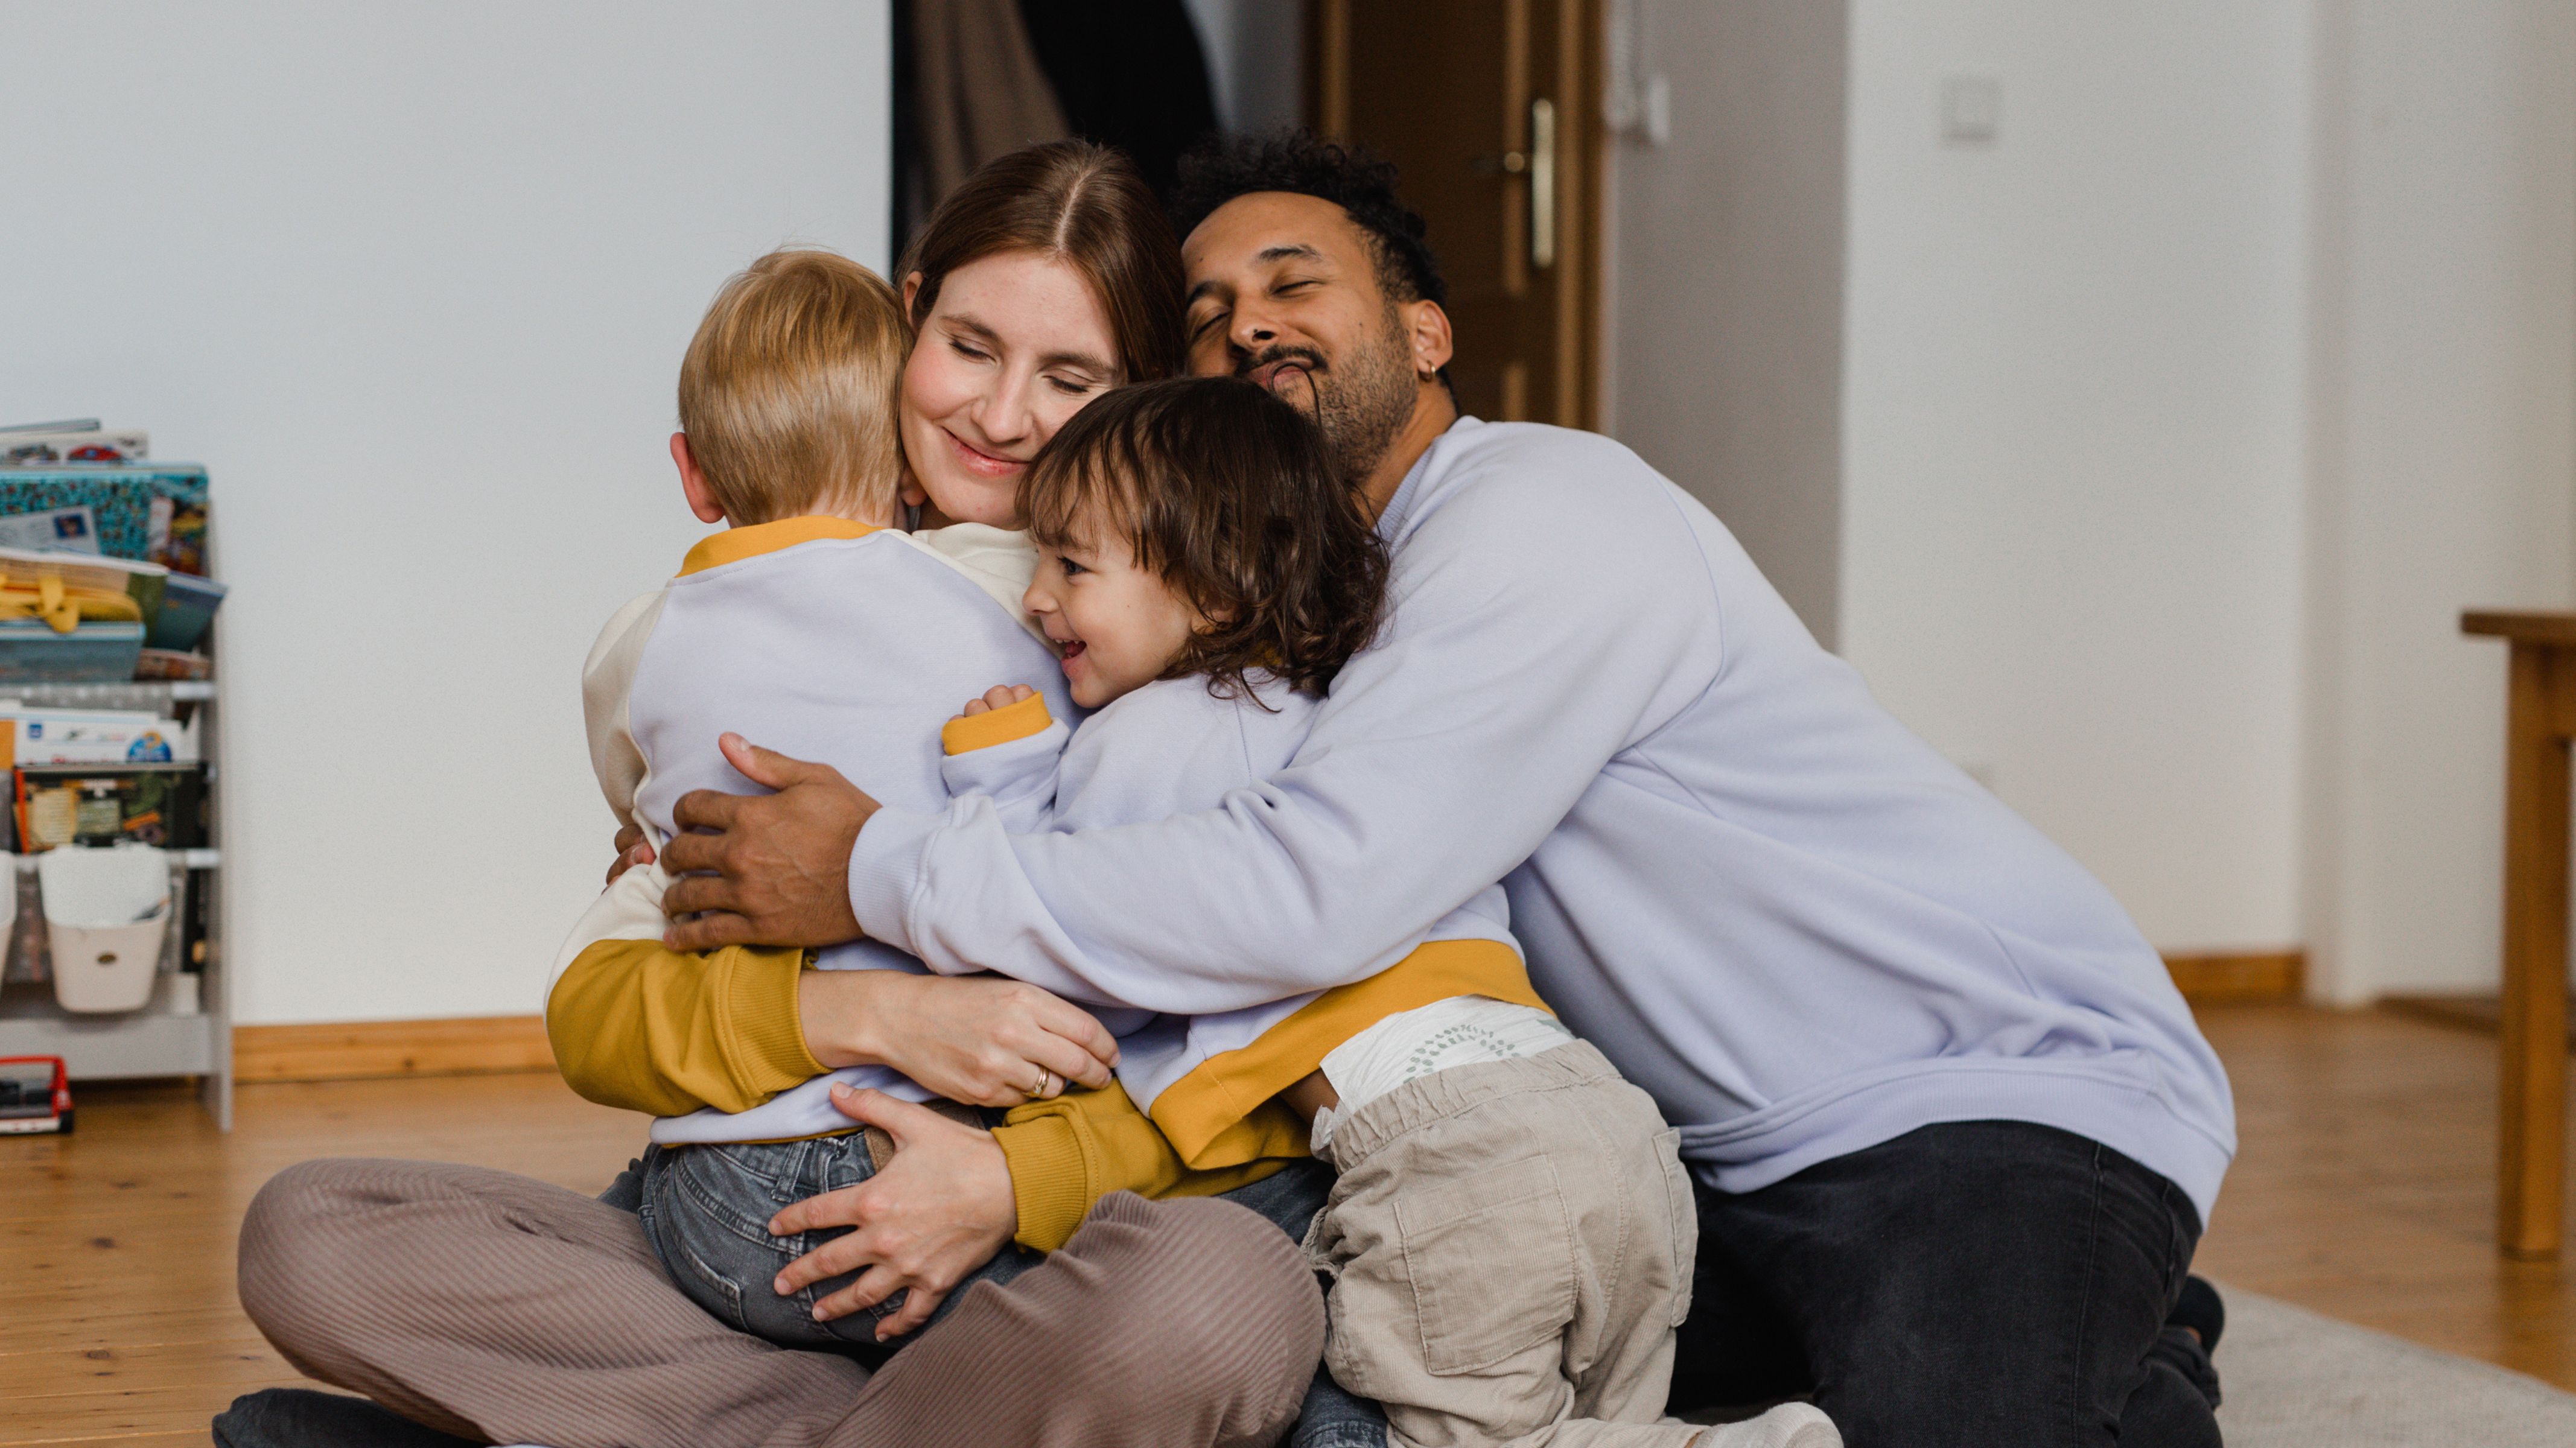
[(1044, 1076)]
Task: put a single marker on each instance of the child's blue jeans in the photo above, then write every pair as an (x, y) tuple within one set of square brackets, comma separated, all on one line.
[(706, 1210)]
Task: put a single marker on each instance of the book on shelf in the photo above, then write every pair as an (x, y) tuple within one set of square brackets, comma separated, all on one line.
[(95, 538), (145, 511), (83, 441), (161, 805), (56, 530), (124, 590), (34, 737)]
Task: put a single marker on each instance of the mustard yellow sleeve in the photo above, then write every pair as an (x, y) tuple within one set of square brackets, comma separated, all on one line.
[(1069, 1152), (638, 1025)]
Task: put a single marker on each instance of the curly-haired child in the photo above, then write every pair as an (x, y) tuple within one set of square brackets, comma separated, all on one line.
[(1510, 1241)]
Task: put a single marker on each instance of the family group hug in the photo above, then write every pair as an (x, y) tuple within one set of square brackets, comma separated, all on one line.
[(1177, 891)]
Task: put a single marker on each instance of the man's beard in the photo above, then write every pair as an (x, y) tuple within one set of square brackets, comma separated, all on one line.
[(1360, 405)]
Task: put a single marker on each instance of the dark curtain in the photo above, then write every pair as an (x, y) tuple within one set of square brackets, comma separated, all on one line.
[(1130, 74), (1125, 73), (967, 88)]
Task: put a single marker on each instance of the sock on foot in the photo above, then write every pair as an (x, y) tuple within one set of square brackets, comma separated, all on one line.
[(1790, 1425), (2200, 1310)]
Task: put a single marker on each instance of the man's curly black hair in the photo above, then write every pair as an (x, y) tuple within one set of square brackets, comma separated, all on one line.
[(1225, 167)]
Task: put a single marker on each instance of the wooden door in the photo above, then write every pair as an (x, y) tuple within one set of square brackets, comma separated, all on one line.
[(1491, 110)]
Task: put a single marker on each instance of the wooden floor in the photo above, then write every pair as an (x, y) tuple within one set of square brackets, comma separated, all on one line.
[(117, 1268), (2364, 1190), (2364, 1185)]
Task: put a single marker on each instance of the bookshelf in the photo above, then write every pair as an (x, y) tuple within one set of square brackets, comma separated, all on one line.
[(160, 1039)]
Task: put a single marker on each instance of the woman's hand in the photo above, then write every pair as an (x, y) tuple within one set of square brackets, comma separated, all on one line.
[(1000, 696), (631, 851), (768, 869), (940, 1209), (981, 1039)]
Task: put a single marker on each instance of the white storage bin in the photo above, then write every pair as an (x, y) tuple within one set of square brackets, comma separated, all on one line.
[(105, 911)]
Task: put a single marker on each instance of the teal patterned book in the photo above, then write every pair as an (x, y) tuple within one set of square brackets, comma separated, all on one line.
[(151, 512)]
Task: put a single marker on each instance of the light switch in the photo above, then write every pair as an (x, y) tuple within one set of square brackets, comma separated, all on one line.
[(1971, 109)]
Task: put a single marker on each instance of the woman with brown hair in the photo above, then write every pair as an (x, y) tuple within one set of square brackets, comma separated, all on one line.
[(1048, 277), (479, 1305)]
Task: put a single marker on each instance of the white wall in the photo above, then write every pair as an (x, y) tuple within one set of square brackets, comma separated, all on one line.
[(2072, 431), (1723, 297), (2058, 521), (2443, 381), (414, 283), (2178, 425)]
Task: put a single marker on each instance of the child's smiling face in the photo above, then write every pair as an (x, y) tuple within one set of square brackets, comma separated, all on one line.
[(1117, 625)]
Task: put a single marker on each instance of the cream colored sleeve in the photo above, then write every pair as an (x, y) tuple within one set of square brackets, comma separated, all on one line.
[(607, 679), (633, 1023)]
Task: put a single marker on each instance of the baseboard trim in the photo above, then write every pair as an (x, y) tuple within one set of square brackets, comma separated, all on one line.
[(356, 1050), (2213, 979), (477, 1045)]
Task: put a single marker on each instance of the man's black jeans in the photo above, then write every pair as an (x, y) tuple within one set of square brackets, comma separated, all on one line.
[(1986, 1283)]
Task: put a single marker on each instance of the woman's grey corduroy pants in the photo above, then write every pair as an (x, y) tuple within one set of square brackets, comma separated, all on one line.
[(496, 1307)]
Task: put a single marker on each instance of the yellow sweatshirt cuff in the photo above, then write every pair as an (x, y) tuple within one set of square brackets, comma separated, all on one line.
[(763, 1020), (995, 726), (1049, 1178)]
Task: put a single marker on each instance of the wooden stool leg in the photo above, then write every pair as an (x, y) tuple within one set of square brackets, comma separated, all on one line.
[(2533, 1118)]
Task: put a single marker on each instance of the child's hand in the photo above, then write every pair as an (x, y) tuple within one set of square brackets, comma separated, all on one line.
[(1000, 696)]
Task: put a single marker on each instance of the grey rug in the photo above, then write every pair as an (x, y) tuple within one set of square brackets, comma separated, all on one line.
[(2294, 1379)]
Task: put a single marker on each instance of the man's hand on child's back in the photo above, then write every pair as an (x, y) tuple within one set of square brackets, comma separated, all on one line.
[(1000, 696), (769, 869)]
